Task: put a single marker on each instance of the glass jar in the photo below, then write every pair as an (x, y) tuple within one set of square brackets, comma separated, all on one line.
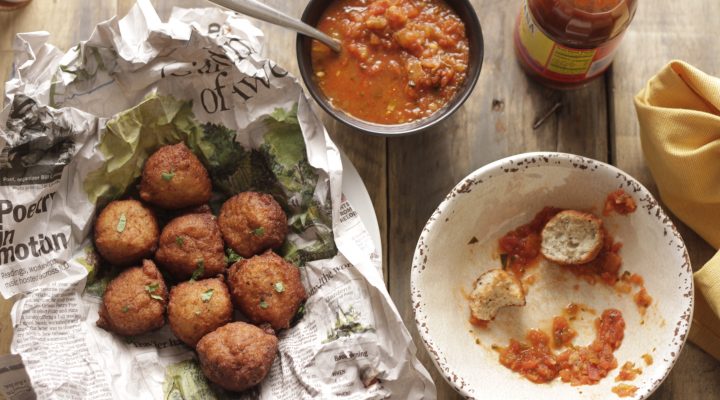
[(566, 43)]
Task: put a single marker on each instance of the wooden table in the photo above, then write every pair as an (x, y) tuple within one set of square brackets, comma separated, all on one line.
[(407, 177)]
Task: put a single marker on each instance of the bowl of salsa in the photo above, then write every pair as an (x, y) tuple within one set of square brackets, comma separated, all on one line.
[(404, 66)]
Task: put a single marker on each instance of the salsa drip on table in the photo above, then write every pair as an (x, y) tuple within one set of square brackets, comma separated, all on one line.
[(578, 365), (401, 60)]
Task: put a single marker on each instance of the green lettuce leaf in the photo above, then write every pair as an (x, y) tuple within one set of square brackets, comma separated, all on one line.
[(185, 381), (134, 134)]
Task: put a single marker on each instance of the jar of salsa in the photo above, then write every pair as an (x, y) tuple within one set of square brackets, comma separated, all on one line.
[(566, 43)]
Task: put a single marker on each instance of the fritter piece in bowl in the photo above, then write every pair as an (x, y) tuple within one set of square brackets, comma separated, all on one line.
[(191, 246), (126, 231), (492, 291), (197, 308), (134, 302), (174, 178), (572, 237), (266, 288), (237, 356), (252, 222)]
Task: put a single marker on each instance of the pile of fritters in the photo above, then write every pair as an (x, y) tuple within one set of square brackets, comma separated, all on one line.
[(190, 249)]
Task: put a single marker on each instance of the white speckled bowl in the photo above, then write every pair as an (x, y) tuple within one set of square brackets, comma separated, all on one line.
[(505, 194)]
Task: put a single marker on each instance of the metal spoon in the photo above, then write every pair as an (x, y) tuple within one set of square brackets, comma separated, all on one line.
[(268, 14)]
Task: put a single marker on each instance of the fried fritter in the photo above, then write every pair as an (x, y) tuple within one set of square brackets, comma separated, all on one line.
[(252, 222), (572, 237), (126, 231), (197, 308), (134, 302), (492, 291), (237, 356), (173, 178), (266, 288), (192, 243)]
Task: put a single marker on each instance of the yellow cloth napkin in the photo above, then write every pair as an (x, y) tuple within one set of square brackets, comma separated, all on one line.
[(679, 113)]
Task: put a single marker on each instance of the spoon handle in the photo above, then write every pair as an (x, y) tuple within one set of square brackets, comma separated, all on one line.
[(262, 12)]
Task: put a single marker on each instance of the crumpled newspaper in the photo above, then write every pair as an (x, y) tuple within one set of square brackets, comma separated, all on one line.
[(74, 135)]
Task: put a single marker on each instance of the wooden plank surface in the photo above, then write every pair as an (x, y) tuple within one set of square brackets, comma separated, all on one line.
[(407, 177), (496, 122), (663, 31)]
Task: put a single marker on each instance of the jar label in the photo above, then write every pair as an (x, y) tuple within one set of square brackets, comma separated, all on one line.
[(555, 61)]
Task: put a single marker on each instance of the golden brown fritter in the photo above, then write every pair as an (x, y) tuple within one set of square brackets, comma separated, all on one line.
[(266, 288), (126, 231), (134, 302), (191, 243), (237, 356), (173, 178), (252, 222), (197, 308)]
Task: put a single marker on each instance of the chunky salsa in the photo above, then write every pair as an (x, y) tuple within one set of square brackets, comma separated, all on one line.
[(543, 357), (520, 250), (624, 390), (619, 202), (401, 60), (628, 372), (578, 365), (605, 267), (521, 246), (563, 334)]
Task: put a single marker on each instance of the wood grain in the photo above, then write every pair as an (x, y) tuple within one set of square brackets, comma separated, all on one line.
[(496, 122), (663, 31)]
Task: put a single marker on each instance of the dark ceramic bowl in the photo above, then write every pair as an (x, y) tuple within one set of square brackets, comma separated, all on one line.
[(464, 10)]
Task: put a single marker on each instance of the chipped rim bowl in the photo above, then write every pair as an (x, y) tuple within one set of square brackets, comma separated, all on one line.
[(505, 194), (464, 9)]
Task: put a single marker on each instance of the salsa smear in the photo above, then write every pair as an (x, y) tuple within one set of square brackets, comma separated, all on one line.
[(535, 358), (577, 365), (401, 60)]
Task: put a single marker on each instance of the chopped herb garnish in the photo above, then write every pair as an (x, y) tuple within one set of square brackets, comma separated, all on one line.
[(232, 257), (259, 231), (168, 175), (157, 297), (151, 289), (279, 287), (125, 309), (180, 241), (121, 223), (207, 295), (298, 314), (263, 304), (200, 271)]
